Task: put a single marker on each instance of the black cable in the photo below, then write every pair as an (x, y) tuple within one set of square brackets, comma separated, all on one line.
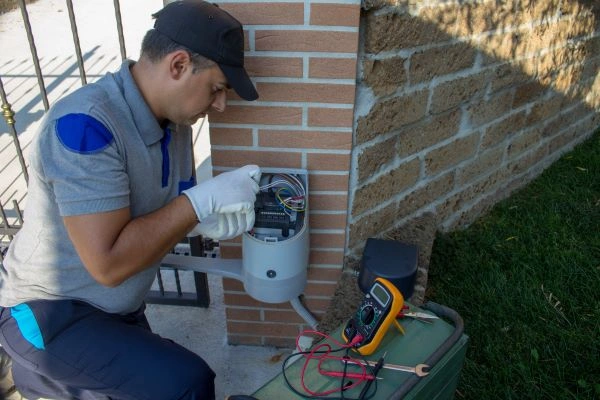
[(375, 371), (297, 392), (342, 385)]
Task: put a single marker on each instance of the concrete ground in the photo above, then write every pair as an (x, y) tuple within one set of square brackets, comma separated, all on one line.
[(239, 369)]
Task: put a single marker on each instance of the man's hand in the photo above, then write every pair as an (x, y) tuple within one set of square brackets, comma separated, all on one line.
[(231, 196), (224, 226)]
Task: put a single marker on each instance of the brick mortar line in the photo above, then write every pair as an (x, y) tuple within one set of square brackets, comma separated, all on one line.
[(218, 168), (290, 1), (457, 189), (307, 81), (530, 174), (329, 212), (306, 67), (251, 41), (326, 266), (397, 162), (328, 173), (327, 192), (333, 129), (425, 181), (292, 104), (307, 15), (473, 40), (432, 84), (324, 172), (327, 231), (298, 54), (331, 249), (303, 28), (281, 149)]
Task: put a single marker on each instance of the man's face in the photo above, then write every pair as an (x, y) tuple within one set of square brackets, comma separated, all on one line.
[(198, 94)]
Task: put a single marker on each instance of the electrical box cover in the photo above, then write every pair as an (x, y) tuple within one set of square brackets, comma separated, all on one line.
[(275, 254)]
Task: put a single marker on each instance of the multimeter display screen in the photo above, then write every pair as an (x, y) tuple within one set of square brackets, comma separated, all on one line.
[(380, 294)]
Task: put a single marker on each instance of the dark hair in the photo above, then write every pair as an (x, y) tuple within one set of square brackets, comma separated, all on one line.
[(155, 46)]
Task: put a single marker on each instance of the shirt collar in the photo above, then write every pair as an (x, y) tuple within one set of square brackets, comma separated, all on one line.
[(149, 128)]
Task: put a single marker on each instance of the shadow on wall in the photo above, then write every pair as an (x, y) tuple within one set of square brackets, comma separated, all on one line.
[(461, 103)]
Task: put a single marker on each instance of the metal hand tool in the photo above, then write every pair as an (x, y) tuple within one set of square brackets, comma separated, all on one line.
[(419, 316), (420, 369)]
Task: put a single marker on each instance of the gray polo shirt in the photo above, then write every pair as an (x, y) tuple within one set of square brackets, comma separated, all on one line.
[(98, 149)]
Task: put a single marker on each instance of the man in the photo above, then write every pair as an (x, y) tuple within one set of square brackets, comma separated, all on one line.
[(111, 192)]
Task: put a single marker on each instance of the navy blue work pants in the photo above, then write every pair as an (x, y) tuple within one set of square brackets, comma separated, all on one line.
[(69, 350)]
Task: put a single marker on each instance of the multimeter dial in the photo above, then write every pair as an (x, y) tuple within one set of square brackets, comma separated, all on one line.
[(367, 314), (374, 315)]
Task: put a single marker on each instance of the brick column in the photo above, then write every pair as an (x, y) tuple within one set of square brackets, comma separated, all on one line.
[(302, 57)]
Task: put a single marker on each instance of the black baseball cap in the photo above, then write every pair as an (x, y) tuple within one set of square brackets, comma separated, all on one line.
[(211, 32)]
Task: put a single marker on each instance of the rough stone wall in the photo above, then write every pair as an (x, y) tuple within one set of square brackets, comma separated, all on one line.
[(459, 103)]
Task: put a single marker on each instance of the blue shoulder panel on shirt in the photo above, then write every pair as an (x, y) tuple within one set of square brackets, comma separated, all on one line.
[(82, 133)]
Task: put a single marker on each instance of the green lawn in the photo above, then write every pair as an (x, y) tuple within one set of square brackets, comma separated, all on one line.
[(526, 280)]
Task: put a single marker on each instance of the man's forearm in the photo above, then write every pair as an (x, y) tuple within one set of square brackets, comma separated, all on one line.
[(114, 247)]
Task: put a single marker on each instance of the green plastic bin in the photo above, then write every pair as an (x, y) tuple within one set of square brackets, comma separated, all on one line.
[(440, 344)]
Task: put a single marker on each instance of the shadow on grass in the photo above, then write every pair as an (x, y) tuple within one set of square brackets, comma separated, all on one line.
[(526, 280)]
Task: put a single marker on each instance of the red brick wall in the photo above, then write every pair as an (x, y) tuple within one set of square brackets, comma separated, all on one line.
[(302, 57)]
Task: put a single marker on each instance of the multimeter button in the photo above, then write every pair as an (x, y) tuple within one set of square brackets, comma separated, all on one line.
[(367, 314)]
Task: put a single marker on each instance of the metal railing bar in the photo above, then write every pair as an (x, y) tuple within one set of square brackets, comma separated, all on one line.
[(15, 76), (26, 93), (5, 227), (64, 77), (161, 287), (103, 67), (76, 42), (8, 114), (7, 165), (120, 29), (34, 55), (10, 231), (3, 194), (177, 282), (17, 209), (14, 213)]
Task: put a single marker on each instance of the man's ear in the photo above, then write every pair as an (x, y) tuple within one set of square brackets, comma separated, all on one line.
[(179, 61)]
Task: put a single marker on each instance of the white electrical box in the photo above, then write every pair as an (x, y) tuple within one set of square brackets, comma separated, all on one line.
[(275, 252)]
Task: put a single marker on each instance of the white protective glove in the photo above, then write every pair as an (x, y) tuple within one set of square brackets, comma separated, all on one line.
[(224, 226), (226, 202)]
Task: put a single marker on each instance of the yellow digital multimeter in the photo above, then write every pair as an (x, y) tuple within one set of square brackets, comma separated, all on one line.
[(376, 313)]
